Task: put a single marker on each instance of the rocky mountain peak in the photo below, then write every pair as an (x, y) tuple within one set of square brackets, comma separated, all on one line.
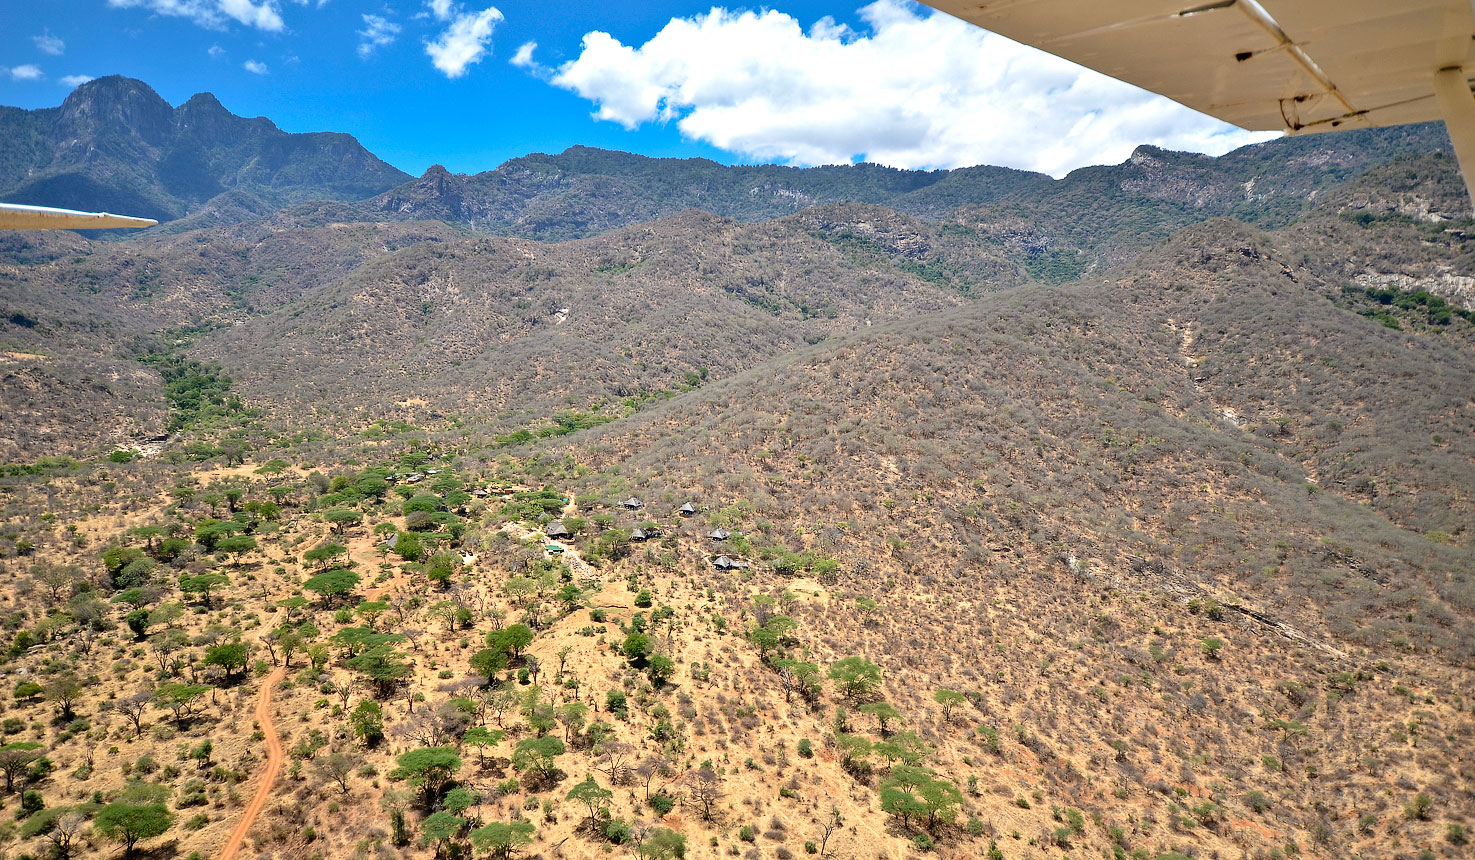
[(114, 106)]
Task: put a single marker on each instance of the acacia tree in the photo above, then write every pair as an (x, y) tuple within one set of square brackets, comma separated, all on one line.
[(133, 708), (180, 698), (510, 639), (383, 665), (367, 720), (705, 790), (230, 656), (593, 796), (332, 584), (236, 545), (520, 588), (502, 838), (338, 767), (130, 823), (949, 699), (648, 770), (59, 825), (342, 518), (536, 755), (614, 758), (323, 555), (290, 641), (832, 823), (203, 585), (370, 610), (482, 737), (488, 662), (772, 635), (442, 567), (573, 715), (884, 712), (56, 579), (661, 843), (799, 677), (15, 758), (65, 689), (859, 679), (440, 830), (911, 792), (166, 647), (428, 769), (499, 702)]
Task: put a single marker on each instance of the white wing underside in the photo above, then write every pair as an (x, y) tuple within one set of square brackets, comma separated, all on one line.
[(1276, 65), (14, 216)]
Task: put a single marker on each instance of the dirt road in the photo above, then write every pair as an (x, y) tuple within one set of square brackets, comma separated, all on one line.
[(268, 774)]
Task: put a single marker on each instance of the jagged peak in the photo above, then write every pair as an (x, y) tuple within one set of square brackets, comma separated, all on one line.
[(1149, 155), (204, 101)]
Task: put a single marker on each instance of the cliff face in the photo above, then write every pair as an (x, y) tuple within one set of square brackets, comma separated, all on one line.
[(116, 144)]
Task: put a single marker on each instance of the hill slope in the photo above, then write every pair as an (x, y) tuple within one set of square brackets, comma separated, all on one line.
[(480, 327), (1131, 424)]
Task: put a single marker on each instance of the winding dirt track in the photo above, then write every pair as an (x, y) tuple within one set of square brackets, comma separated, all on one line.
[(268, 774)]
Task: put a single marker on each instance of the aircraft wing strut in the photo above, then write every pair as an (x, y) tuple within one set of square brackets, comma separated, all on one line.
[(14, 216)]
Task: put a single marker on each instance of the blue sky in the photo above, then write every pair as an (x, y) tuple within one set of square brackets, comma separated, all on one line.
[(459, 82)]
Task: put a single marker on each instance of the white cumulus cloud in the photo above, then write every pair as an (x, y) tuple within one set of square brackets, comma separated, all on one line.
[(464, 41), (378, 32), (524, 57), (913, 89), (74, 81), (254, 67), (214, 14), (49, 44), (27, 72)]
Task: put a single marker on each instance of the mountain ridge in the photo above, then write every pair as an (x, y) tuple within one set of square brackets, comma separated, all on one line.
[(114, 143)]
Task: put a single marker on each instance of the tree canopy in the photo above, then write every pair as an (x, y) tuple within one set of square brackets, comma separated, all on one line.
[(130, 823), (428, 769), (500, 838), (858, 678), (333, 583)]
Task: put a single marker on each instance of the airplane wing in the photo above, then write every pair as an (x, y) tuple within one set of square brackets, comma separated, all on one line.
[(14, 216), (1297, 66)]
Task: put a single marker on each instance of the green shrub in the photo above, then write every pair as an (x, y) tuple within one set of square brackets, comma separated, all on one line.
[(31, 802)]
